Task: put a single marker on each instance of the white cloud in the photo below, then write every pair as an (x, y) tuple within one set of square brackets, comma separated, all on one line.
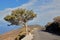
[(28, 4), (4, 13), (46, 13), (45, 10)]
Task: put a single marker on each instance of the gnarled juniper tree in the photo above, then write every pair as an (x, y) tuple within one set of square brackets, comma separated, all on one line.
[(20, 16)]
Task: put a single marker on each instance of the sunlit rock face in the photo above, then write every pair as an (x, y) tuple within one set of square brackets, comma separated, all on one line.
[(28, 37), (57, 19)]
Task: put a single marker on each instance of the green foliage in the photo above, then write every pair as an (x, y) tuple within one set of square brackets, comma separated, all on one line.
[(20, 15)]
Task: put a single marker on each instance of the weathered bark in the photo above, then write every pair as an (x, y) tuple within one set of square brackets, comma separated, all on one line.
[(26, 28)]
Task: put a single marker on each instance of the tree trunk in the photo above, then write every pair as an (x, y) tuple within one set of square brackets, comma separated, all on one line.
[(26, 28)]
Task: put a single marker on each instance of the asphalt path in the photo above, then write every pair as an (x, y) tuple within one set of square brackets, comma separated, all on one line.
[(41, 35)]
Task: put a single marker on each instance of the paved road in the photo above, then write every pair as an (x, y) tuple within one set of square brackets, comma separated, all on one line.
[(40, 35)]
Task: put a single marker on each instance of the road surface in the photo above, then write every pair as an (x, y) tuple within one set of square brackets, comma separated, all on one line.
[(40, 35)]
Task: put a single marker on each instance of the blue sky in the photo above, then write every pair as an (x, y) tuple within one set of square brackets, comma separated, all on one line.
[(11, 3), (46, 10)]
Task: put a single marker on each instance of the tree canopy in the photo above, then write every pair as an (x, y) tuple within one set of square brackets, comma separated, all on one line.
[(20, 16)]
